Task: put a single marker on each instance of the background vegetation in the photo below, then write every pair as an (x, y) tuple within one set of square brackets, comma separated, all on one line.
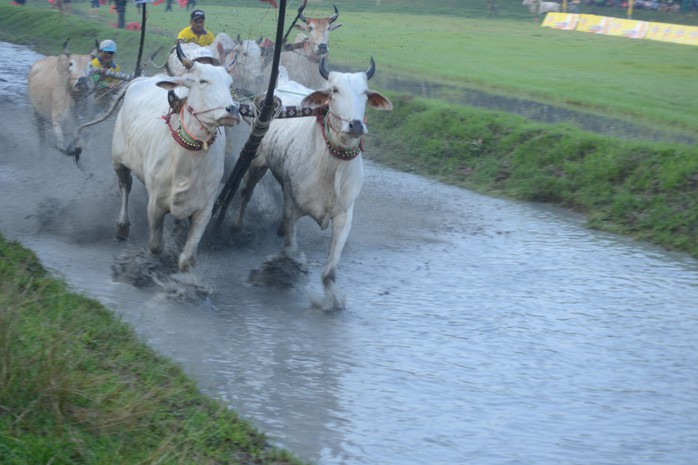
[(76, 386)]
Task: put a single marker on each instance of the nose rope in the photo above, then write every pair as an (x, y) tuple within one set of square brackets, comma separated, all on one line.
[(337, 150)]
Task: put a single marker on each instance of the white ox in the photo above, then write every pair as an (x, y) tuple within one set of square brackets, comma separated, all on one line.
[(180, 180), (318, 163), (537, 8), (308, 48), (246, 62), (55, 83), (242, 58)]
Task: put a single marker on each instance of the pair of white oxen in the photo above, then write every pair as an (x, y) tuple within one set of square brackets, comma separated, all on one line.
[(180, 155)]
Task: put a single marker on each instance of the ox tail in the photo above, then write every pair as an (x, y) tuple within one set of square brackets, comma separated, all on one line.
[(119, 97)]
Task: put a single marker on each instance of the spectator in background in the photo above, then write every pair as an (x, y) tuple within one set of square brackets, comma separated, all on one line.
[(195, 32), (94, 8), (168, 7)]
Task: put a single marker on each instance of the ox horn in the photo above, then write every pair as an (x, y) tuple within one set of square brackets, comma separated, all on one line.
[(324, 72), (238, 40), (301, 16), (183, 58), (371, 69), (66, 50), (334, 17)]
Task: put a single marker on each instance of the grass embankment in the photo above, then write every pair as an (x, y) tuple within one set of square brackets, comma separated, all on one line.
[(645, 190), (76, 386)]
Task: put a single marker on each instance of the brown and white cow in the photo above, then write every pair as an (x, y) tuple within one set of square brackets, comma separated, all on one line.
[(318, 163), (309, 47), (55, 84)]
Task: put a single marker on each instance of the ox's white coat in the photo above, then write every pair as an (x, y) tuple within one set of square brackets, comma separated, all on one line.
[(50, 83), (181, 182), (314, 183), (536, 7), (242, 58)]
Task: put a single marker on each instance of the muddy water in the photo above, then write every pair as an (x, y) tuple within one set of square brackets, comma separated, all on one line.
[(477, 330)]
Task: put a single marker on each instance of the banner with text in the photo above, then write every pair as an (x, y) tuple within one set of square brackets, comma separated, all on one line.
[(675, 33), (561, 21)]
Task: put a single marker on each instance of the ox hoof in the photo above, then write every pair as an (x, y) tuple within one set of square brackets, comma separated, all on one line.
[(122, 231), (186, 264)]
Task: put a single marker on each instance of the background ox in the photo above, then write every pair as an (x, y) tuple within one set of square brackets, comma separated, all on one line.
[(537, 8), (318, 164), (55, 83)]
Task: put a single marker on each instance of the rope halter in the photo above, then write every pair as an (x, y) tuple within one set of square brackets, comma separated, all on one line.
[(336, 149)]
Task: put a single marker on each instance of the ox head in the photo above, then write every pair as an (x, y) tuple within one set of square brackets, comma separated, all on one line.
[(209, 92), (346, 96), (318, 30), (76, 70)]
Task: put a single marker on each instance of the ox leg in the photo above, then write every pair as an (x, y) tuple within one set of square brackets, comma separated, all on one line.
[(41, 129), (287, 228), (123, 225), (341, 226), (156, 218), (254, 174), (199, 221), (58, 133)]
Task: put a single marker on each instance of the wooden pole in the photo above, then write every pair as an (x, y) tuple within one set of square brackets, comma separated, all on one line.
[(259, 128)]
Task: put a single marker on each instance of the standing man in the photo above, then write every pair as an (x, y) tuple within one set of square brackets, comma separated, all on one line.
[(196, 33)]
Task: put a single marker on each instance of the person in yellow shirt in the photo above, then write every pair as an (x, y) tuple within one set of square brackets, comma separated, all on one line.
[(195, 33), (106, 74)]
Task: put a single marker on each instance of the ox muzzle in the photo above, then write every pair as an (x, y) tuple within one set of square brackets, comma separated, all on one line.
[(355, 128), (232, 116), (81, 85)]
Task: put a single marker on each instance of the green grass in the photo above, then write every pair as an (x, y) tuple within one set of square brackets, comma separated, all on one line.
[(78, 387), (647, 82), (644, 190)]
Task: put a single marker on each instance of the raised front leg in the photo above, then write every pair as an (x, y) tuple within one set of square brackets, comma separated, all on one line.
[(123, 225), (199, 221)]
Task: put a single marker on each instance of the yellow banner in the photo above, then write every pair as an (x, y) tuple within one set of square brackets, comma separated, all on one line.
[(675, 33), (627, 28), (564, 21), (592, 23)]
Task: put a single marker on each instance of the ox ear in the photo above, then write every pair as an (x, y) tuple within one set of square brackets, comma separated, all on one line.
[(316, 99), (334, 26), (171, 82), (378, 101)]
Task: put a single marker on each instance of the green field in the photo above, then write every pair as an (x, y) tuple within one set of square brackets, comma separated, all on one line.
[(647, 82)]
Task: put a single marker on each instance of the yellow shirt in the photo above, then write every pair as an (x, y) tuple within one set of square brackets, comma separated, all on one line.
[(187, 35), (100, 80)]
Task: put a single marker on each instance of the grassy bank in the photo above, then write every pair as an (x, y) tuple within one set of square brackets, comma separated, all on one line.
[(76, 386), (644, 190), (643, 81)]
